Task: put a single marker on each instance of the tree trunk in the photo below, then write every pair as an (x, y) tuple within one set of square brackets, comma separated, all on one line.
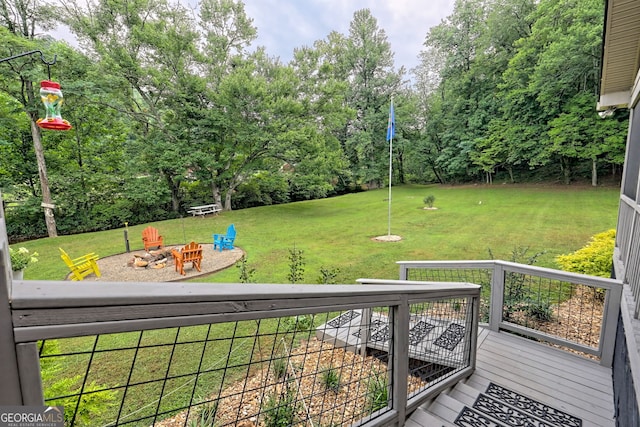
[(215, 192), (566, 170), (400, 169), (227, 201), (437, 174), (594, 173), (175, 192), (47, 203)]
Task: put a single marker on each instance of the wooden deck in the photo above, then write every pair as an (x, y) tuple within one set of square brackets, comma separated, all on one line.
[(566, 382)]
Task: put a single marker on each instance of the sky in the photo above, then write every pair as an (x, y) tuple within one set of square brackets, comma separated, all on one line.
[(286, 24)]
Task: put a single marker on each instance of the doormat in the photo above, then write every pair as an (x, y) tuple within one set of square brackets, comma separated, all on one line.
[(501, 407)]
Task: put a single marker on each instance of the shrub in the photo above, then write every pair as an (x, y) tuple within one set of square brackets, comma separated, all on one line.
[(429, 200), (296, 265), (331, 379), (281, 408), (328, 275), (299, 323), (595, 259), (517, 292), (95, 400), (280, 367), (246, 273), (539, 310)]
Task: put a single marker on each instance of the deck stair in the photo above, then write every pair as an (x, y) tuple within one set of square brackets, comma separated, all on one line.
[(519, 382), (494, 406)]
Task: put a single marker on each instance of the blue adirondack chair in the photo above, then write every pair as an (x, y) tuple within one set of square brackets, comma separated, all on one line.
[(225, 241)]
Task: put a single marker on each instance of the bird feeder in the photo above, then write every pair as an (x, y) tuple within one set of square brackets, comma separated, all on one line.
[(52, 98)]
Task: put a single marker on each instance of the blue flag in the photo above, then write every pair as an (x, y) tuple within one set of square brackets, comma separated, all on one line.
[(391, 127)]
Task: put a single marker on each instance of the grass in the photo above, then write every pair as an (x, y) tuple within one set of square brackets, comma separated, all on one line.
[(336, 233)]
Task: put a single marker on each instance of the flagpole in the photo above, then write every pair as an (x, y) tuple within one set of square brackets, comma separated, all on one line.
[(390, 134)]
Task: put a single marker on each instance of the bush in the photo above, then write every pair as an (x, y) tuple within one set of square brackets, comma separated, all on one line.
[(281, 408), (261, 189), (429, 200), (595, 259), (26, 221), (95, 400)]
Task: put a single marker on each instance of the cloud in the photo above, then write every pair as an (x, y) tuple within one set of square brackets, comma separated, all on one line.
[(286, 24)]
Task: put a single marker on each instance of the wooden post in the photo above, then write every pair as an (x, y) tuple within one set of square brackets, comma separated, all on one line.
[(10, 392), (399, 358), (497, 297), (609, 325)]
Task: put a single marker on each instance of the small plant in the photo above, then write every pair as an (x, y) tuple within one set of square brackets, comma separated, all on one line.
[(246, 273), (281, 408), (429, 200), (95, 400), (517, 293), (206, 416), (298, 323), (21, 258), (378, 393), (280, 368), (331, 379), (540, 310), (328, 275), (296, 265)]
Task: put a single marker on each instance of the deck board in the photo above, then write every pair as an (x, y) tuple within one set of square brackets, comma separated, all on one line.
[(568, 382)]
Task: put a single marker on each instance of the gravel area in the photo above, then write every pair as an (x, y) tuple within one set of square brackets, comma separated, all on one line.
[(119, 268)]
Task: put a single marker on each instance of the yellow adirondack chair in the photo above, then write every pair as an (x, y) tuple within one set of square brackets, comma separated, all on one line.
[(81, 267)]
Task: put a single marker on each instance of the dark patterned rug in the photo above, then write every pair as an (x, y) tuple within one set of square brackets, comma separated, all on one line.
[(501, 407)]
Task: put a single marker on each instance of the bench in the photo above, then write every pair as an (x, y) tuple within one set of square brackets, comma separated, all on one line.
[(204, 209), (82, 266)]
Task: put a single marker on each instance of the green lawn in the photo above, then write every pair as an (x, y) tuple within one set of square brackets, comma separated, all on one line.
[(338, 232), (333, 233)]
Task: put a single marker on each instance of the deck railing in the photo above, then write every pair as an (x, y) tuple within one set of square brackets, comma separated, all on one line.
[(572, 311), (627, 250), (244, 354)]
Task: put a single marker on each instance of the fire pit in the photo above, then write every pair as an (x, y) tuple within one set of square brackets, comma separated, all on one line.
[(153, 259), (122, 267)]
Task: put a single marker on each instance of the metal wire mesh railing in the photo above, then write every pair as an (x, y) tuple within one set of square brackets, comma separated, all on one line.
[(439, 339), (559, 308), (312, 367), (450, 273), (575, 312)]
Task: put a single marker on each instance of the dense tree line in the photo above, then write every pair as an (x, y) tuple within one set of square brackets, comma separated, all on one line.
[(171, 108)]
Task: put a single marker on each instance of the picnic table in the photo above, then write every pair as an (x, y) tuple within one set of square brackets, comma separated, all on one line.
[(204, 209)]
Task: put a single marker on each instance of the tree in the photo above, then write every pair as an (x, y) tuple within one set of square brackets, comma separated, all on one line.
[(19, 20), (367, 64), (580, 134)]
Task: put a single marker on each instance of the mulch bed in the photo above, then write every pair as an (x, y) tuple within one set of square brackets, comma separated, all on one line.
[(118, 268)]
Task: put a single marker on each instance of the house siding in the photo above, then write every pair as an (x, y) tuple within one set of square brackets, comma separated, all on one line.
[(624, 394)]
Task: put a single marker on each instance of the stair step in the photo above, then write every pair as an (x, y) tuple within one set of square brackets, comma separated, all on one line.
[(422, 418), (446, 407), (464, 393)]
